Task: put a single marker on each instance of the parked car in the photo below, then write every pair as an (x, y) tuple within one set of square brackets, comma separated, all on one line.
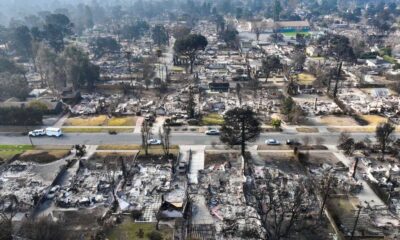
[(37, 133), (54, 132), (293, 142), (272, 142), (154, 141), (213, 132)]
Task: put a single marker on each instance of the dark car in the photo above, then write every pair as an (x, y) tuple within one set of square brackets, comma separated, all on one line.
[(292, 142)]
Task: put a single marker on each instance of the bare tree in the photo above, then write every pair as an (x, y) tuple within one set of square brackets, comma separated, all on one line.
[(239, 93), (281, 211), (165, 134), (346, 143), (146, 134), (384, 132), (110, 168)]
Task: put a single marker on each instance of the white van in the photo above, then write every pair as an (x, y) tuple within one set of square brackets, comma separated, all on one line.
[(54, 132)]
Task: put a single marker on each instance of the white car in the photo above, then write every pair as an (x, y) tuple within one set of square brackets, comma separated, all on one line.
[(37, 133), (272, 142), (154, 141), (213, 132)]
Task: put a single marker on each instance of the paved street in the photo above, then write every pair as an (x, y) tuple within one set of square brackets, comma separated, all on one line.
[(177, 138)]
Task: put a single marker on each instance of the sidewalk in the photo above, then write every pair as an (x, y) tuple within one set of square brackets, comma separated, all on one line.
[(367, 195), (138, 125), (197, 163), (60, 122)]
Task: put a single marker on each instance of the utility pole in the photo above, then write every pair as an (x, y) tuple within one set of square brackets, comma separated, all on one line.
[(128, 55), (356, 222)]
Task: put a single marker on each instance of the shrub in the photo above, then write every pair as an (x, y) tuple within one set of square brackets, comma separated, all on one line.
[(155, 235), (140, 234), (20, 116), (136, 214), (39, 106), (276, 123)]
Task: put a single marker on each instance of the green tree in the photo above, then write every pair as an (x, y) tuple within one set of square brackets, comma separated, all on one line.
[(39, 106), (271, 64), (79, 70), (220, 23), (298, 60), (230, 37), (12, 80), (189, 46), (7, 65), (159, 35), (276, 123), (56, 28), (291, 110), (339, 47), (384, 135), (103, 45), (191, 104), (135, 31), (13, 85), (21, 42), (241, 125), (16, 116)]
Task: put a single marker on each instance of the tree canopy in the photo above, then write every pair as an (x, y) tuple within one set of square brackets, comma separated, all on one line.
[(384, 135), (159, 35), (103, 45), (189, 47), (270, 64), (241, 125)]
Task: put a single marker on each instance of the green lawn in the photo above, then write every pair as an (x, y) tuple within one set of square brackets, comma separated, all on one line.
[(130, 230), (9, 151), (95, 130), (8, 154), (16, 147), (212, 119)]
